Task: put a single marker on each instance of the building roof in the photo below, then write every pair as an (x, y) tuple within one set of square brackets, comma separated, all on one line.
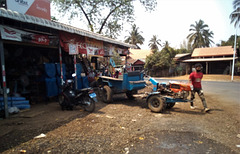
[(209, 59), (139, 53), (181, 55), (131, 61), (215, 51), (140, 60), (58, 26)]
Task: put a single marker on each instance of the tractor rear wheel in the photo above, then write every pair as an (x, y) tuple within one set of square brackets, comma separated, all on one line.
[(156, 103)]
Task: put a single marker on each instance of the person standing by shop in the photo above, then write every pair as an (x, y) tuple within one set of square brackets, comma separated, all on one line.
[(195, 78)]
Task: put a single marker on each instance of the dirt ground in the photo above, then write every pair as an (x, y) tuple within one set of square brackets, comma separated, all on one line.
[(124, 126)]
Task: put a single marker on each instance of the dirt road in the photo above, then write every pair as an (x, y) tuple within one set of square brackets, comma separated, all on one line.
[(125, 126)]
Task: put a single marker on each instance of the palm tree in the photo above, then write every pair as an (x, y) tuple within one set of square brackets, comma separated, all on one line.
[(201, 36), (135, 37), (166, 44), (154, 43), (235, 15), (208, 35)]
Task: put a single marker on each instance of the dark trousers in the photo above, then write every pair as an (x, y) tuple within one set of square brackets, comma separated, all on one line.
[(200, 94)]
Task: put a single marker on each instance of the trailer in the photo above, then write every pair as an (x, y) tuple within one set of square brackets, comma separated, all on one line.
[(130, 83)]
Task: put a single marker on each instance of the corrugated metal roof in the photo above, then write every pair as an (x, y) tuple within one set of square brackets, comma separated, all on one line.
[(209, 59), (182, 55), (59, 26), (215, 51), (139, 53)]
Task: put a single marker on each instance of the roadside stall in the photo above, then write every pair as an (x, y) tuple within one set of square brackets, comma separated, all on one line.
[(26, 56), (33, 57), (92, 58)]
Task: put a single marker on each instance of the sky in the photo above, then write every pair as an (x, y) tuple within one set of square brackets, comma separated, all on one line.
[(171, 20)]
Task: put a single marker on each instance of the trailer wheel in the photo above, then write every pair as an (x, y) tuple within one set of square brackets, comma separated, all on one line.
[(156, 104), (170, 105), (107, 94)]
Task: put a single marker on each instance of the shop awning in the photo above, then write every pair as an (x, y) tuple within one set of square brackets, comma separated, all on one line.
[(208, 59), (59, 26)]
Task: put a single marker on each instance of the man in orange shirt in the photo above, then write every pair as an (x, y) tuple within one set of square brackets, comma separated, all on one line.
[(196, 77)]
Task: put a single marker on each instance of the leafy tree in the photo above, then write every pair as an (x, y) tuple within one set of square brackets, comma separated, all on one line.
[(117, 58), (102, 14), (230, 41), (53, 18), (208, 35), (182, 50), (154, 43), (185, 45), (200, 36), (235, 15), (167, 50), (166, 44), (161, 60), (135, 37)]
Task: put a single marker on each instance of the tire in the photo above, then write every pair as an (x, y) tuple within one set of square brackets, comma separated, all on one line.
[(99, 93), (65, 105), (61, 101), (89, 104), (156, 104), (107, 94), (169, 105), (130, 95)]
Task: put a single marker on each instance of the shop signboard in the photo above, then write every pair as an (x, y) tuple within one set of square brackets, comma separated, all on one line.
[(73, 49), (37, 8), (82, 47), (68, 38), (101, 52), (121, 51), (8, 33), (96, 45), (92, 50)]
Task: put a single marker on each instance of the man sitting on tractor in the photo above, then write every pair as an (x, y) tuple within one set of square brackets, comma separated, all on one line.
[(196, 77)]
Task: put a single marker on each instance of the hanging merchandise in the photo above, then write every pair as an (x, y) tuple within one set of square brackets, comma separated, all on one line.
[(125, 52), (108, 49), (119, 51), (111, 50), (112, 62)]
